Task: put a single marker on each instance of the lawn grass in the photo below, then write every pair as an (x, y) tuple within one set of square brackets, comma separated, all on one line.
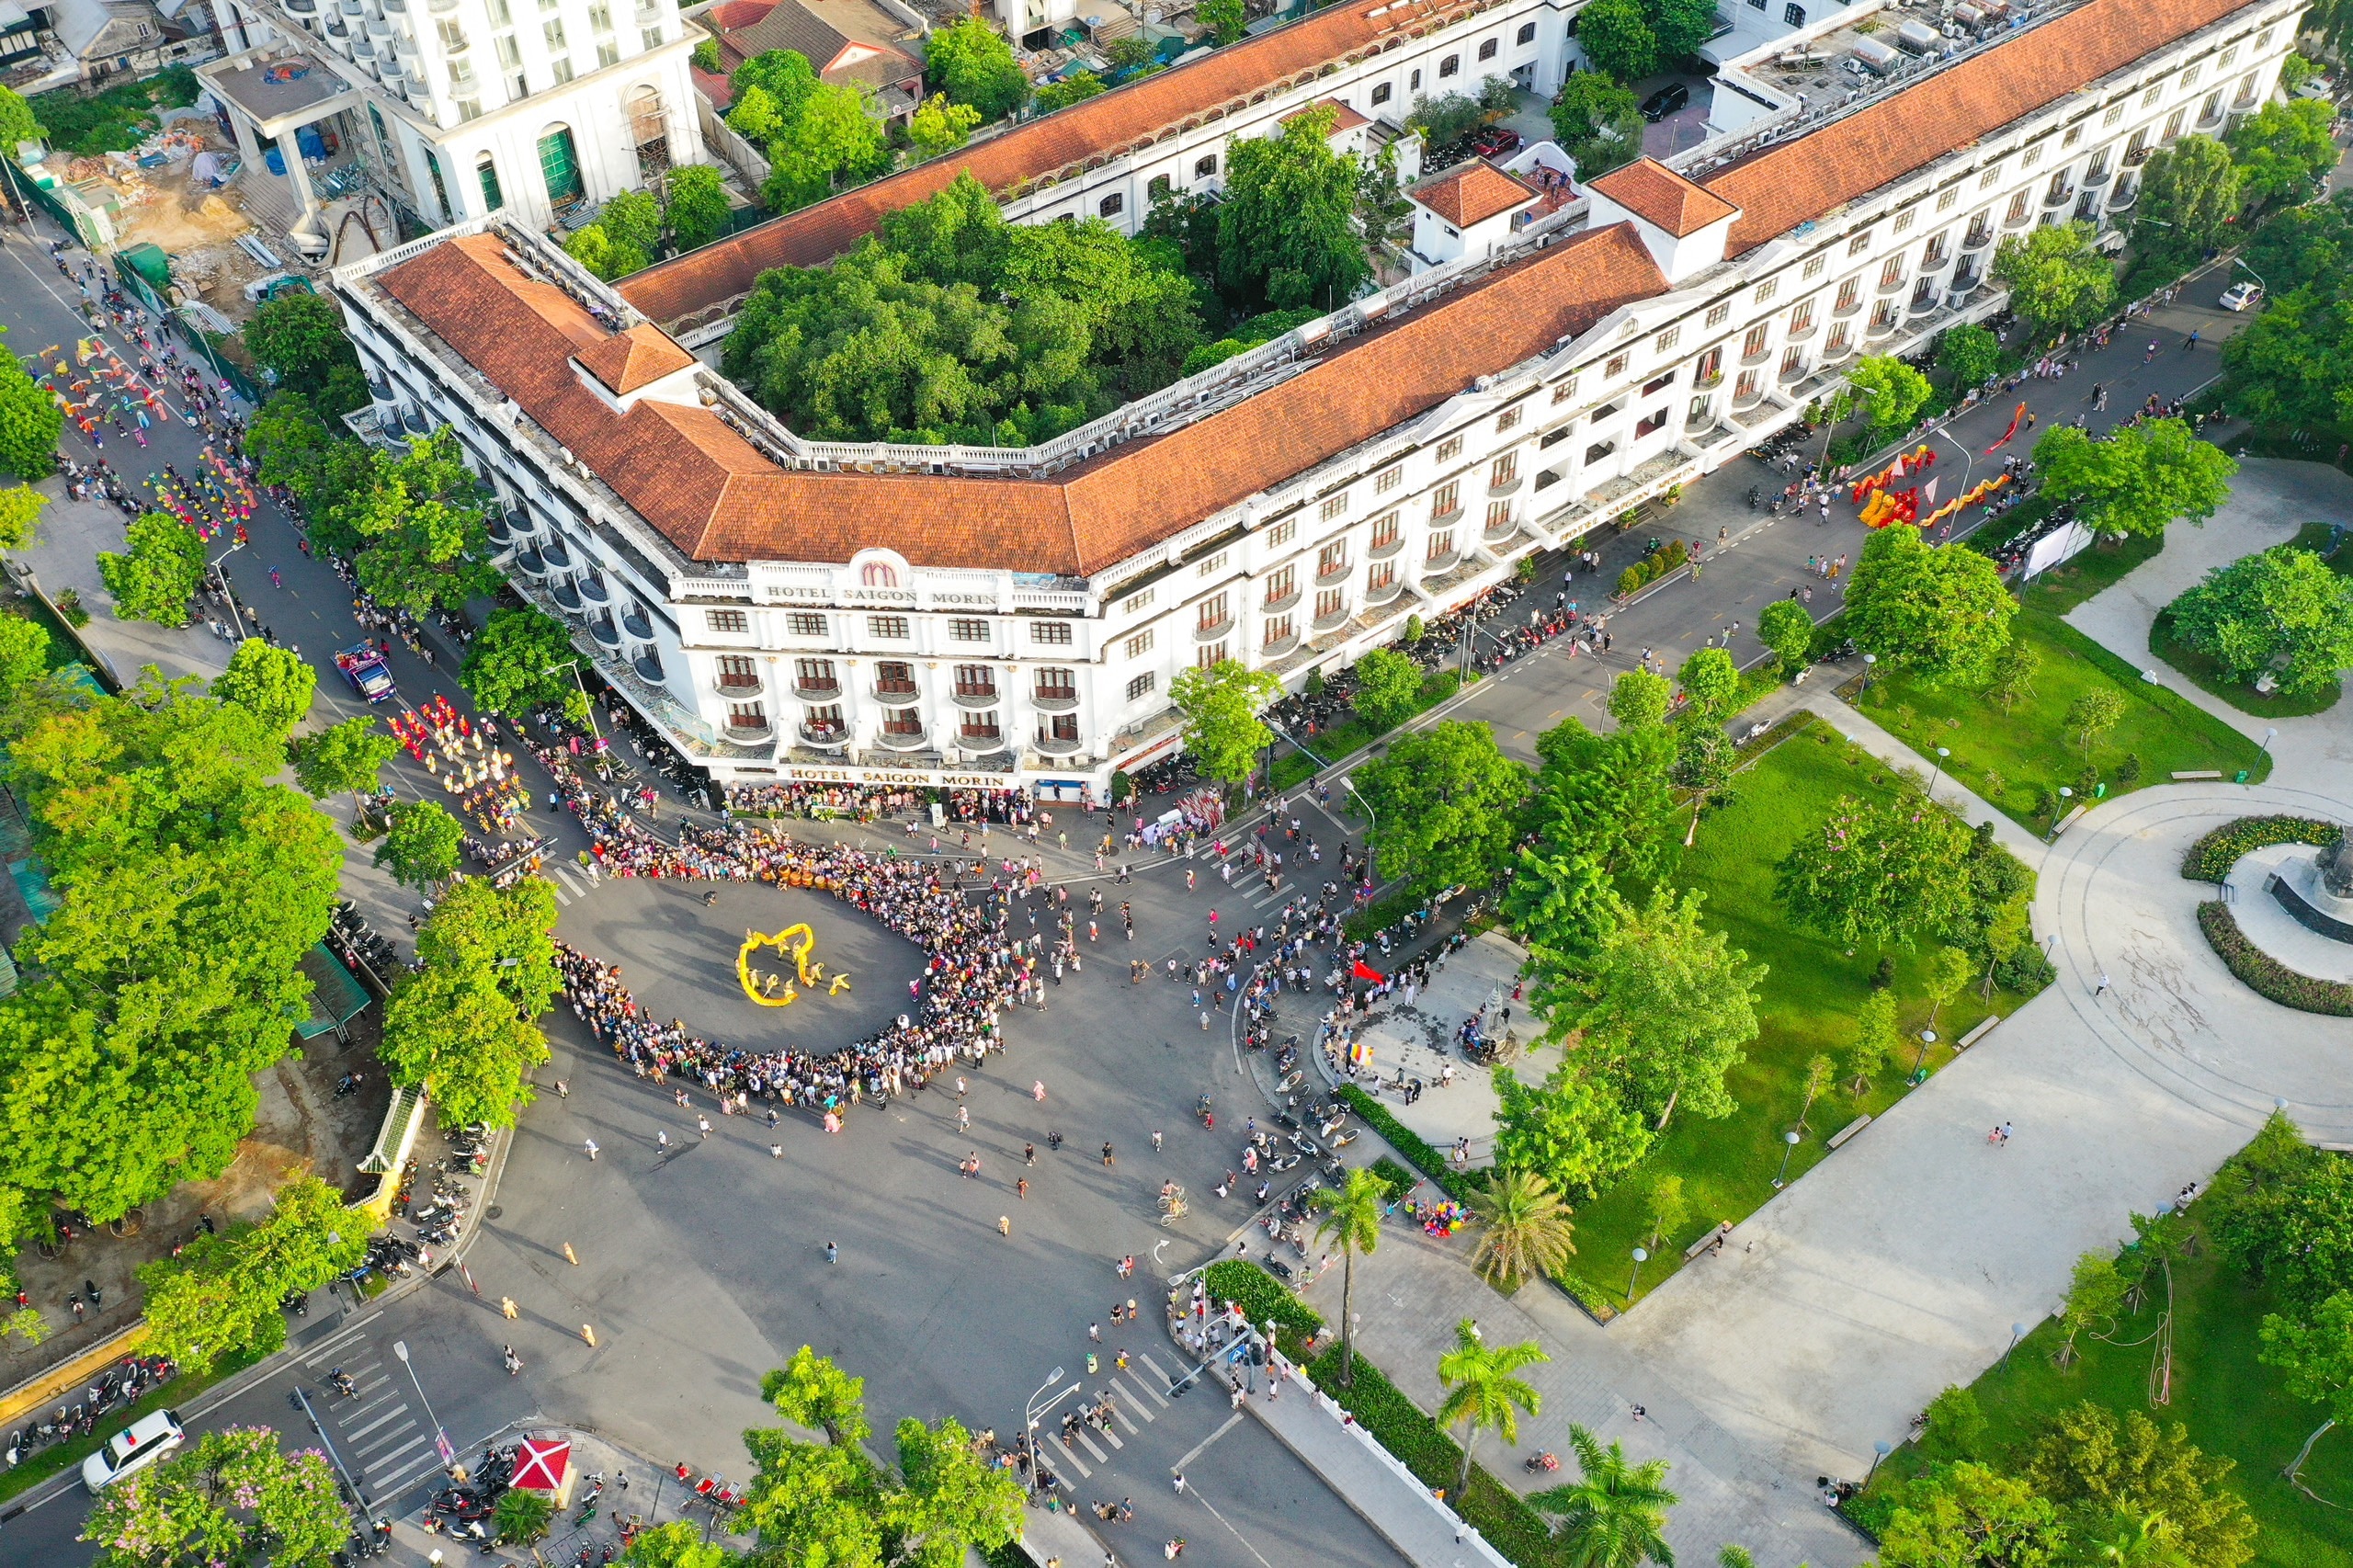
[(2030, 750), (1807, 1005), (1293, 766), (2232, 1405), (2212, 678)]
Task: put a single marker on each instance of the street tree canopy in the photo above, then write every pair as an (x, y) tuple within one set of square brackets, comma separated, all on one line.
[(1888, 393), (273, 684), (2189, 196), (298, 337), (1445, 805), (1287, 233), (159, 574), (1880, 871), (1968, 353), (2057, 279), (424, 542), (463, 1027), (2281, 609), (2138, 479), (517, 664), (1637, 698), (1220, 706), (2284, 149), (29, 421), (421, 846), (1939, 612), (233, 1498), (343, 758), (1598, 122), (973, 64), (1787, 627), (1667, 1007), (1388, 685), (225, 1291)]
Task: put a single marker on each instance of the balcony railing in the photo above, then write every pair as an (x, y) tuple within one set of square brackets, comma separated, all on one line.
[(827, 688), (1061, 746), (1278, 605), (728, 683), (1331, 622), (902, 737), (981, 742), (1337, 572), (1437, 565), (1977, 236), (2059, 198), (2019, 219), (603, 630), (593, 591), (2126, 193), (637, 626), (976, 696), (1890, 285), (1210, 630), (1714, 378), (897, 692), (2137, 156), (1508, 487), (1382, 592), (1759, 354), (1058, 698), (565, 594), (2097, 174), (1279, 646), (1382, 548), (830, 737), (748, 727)]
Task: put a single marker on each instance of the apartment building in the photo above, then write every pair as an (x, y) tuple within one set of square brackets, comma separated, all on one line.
[(790, 608)]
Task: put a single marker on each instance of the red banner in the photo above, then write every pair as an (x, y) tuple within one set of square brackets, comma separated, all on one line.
[(2006, 434), (1366, 971)]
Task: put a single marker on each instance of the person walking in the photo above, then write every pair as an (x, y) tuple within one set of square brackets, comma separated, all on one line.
[(592, 1148), (2101, 989), (1180, 1483), (832, 1253)]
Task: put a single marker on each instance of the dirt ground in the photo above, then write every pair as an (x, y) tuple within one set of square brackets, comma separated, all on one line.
[(192, 223), (300, 1125)]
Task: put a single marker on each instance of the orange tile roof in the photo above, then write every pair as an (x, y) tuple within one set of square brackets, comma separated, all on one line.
[(1102, 127), (1655, 193), (1473, 192), (1783, 186), (640, 356), (1343, 116), (717, 498)]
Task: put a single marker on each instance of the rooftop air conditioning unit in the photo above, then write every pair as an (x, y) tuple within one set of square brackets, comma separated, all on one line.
[(1918, 38), (1875, 57)]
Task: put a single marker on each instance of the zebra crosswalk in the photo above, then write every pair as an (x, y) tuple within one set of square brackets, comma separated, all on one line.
[(387, 1443), (571, 881), (1138, 1395)]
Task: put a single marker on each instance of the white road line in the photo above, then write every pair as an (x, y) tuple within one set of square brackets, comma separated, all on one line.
[(1071, 1458), (1120, 1414), (331, 1347), (353, 1434), (406, 1455), (1150, 1392), (1166, 1380), (376, 1445), (1087, 1442), (392, 1486), (1194, 1452)]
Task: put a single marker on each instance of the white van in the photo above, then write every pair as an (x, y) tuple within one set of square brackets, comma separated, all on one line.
[(134, 1448)]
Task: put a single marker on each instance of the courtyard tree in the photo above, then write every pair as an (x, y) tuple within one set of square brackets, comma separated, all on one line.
[(2284, 149), (695, 206), (223, 1291), (1616, 38), (343, 758), (2137, 480), (1445, 805), (1349, 1217), (1287, 233), (1525, 1228), (831, 143), (17, 121), (812, 1392), (1484, 1391), (21, 509), (1711, 684), (625, 238), (421, 845), (518, 663), (1886, 871), (1875, 1041), (940, 125), (2058, 279), (1224, 19), (1220, 706), (1388, 685), (2189, 194), (1820, 1073), (1614, 1513), (1637, 698), (1888, 393), (158, 575), (1570, 1130), (1597, 121), (2093, 714), (298, 338), (233, 1498), (1668, 1005), (2281, 610), (30, 420), (2314, 1348), (1970, 354), (2090, 1460), (2095, 1292), (1936, 612), (1787, 627), (2010, 679), (974, 65), (275, 685), (1074, 88)]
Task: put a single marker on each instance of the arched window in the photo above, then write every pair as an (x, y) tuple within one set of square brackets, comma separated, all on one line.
[(560, 166), (649, 129), (878, 575), (492, 198)]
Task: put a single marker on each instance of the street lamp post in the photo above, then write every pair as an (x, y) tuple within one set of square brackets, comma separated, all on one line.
[(1640, 1258), (1789, 1146), (440, 1439), (1943, 754), (1880, 1451), (1032, 1411), (573, 665), (2066, 793), (212, 569), (2018, 1332), (1868, 660)]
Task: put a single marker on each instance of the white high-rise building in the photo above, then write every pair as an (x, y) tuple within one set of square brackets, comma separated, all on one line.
[(459, 108)]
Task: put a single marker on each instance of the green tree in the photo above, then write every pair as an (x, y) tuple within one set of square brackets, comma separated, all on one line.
[(156, 580), (1968, 353), (1665, 1207), (1875, 1041), (973, 65), (232, 1499), (2093, 714), (1937, 613), (1787, 627), (299, 339), (1350, 1216), (1682, 26), (222, 1294), (1889, 392), (275, 685), (1949, 971), (2314, 1349), (634, 218), (17, 122), (1668, 1005), (2189, 195), (954, 1505), (2284, 149), (31, 418), (2300, 245), (1879, 871), (1637, 698), (1598, 814), (2281, 609), (2058, 279), (522, 1514), (327, 472), (518, 663), (1074, 88), (677, 1544), (2094, 1293), (2137, 480), (755, 116), (1957, 1425), (811, 1391), (940, 125), (1569, 1130), (783, 77), (1614, 1513), (1388, 685), (1220, 706), (1286, 232), (1224, 19), (1525, 1228), (1446, 802), (1711, 684), (1820, 1073), (509, 933), (1617, 40), (2289, 365), (831, 143), (425, 543), (593, 247), (342, 759), (1484, 1391), (813, 1502), (1599, 122), (697, 207), (20, 508), (2092, 1461), (24, 654), (449, 1030), (421, 844), (2011, 679), (1968, 1515)]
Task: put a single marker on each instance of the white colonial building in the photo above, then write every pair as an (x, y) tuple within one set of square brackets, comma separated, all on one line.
[(792, 608)]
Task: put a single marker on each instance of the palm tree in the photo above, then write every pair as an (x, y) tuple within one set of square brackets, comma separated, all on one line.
[(1352, 1218), (1614, 1513), (1482, 1391), (1527, 1224), (1731, 1554), (2133, 1540)]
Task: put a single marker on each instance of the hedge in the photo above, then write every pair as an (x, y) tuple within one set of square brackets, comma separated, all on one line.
[(2266, 976), (1420, 1156), (1651, 567), (1264, 1300), (1374, 918), (1398, 1425), (2211, 858), (1400, 1179)]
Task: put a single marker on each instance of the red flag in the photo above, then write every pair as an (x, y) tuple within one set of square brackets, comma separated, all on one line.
[(1366, 971), (2006, 434)]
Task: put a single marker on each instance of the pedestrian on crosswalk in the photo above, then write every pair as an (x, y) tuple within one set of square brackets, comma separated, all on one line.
[(661, 1137), (704, 1123)]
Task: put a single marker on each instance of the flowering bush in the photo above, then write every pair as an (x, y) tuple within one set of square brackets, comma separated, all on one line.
[(2266, 976)]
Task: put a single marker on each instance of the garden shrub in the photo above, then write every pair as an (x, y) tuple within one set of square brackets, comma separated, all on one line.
[(1630, 581), (2211, 858), (1263, 1300), (2266, 976)]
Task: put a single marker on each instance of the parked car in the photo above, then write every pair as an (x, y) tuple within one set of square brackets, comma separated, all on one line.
[(134, 1448), (1665, 101), (2241, 295), (1496, 142)]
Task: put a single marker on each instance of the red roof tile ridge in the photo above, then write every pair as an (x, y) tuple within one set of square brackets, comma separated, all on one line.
[(1653, 191), (1473, 192)]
